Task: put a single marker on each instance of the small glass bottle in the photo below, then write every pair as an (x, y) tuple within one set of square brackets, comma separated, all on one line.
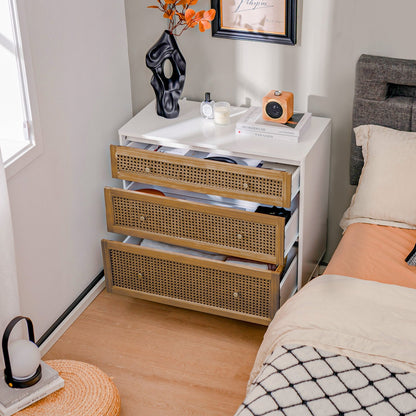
[(207, 107)]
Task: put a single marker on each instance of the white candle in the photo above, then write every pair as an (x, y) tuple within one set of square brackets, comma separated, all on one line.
[(222, 113), (24, 358)]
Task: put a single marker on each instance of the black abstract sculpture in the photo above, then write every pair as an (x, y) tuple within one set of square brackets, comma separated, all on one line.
[(167, 89)]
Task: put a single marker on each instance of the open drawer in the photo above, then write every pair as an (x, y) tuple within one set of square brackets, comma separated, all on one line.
[(266, 186), (223, 230), (245, 293)]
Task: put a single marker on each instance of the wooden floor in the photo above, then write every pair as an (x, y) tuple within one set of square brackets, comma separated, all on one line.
[(164, 360)]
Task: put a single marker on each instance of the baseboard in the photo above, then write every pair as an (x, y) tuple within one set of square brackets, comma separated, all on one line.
[(46, 342)]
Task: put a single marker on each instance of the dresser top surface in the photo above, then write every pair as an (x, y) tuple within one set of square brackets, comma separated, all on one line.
[(190, 130)]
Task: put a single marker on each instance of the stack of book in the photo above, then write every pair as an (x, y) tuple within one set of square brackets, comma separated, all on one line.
[(252, 123)]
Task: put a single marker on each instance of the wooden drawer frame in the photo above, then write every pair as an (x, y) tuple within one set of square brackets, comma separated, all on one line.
[(205, 176), (249, 235), (288, 285), (211, 286)]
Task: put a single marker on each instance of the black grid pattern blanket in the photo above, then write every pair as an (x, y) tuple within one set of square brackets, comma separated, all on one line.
[(300, 380)]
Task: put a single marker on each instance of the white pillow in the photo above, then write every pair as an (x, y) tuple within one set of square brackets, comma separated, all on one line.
[(386, 192)]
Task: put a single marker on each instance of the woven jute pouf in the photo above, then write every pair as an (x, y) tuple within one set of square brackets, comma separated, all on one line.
[(87, 392)]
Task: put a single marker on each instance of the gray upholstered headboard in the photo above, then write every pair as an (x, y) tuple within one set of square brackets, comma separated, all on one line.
[(385, 94)]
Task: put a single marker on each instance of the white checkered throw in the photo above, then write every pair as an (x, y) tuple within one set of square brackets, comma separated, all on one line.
[(301, 381)]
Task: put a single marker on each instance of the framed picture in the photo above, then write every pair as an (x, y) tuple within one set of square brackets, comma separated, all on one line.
[(261, 20)]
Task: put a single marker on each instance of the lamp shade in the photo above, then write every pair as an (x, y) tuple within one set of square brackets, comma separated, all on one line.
[(24, 358)]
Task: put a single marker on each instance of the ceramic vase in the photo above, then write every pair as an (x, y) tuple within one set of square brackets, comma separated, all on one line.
[(168, 89)]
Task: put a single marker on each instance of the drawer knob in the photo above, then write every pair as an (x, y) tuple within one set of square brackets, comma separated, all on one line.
[(147, 169), (139, 275), (239, 237), (236, 295), (245, 185), (142, 218)]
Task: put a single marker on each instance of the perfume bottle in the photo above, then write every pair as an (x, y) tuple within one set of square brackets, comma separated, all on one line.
[(207, 107)]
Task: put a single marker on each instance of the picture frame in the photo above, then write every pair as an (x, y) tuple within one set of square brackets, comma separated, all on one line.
[(259, 20)]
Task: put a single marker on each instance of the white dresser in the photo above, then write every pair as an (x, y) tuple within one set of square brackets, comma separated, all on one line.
[(184, 196)]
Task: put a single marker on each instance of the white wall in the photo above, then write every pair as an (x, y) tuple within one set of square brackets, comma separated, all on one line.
[(80, 63), (319, 69)]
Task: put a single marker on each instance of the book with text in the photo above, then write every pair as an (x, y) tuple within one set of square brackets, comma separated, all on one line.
[(252, 122)]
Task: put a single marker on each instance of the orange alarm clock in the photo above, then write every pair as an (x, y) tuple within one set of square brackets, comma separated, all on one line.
[(278, 106)]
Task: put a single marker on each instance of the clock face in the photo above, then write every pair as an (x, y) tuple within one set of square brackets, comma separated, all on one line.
[(274, 109)]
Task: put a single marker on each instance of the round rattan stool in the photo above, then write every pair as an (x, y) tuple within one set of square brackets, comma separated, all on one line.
[(87, 392)]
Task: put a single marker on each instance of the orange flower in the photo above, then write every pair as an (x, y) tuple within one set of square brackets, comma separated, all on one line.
[(169, 13), (202, 18), (189, 18), (187, 2), (209, 15), (205, 22), (180, 15)]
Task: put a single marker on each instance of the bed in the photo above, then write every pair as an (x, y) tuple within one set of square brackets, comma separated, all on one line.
[(345, 344)]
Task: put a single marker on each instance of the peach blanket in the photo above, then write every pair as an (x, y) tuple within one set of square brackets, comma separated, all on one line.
[(375, 252)]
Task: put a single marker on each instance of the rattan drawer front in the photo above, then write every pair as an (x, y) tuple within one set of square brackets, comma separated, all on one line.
[(195, 283), (199, 175), (222, 230)]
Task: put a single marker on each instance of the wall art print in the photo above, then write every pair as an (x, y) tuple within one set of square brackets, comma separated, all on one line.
[(261, 20)]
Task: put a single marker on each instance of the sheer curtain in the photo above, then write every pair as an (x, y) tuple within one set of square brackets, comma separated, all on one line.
[(9, 295)]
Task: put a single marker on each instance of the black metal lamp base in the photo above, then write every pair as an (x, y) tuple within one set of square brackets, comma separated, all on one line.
[(21, 384)]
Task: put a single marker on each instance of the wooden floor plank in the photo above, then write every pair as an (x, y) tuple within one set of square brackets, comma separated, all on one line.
[(164, 360)]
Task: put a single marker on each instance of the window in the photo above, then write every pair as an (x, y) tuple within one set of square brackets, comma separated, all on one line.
[(16, 132)]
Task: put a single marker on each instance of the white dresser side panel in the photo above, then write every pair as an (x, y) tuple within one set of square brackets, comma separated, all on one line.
[(314, 206)]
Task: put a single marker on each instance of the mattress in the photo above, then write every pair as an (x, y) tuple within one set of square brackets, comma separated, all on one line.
[(375, 252)]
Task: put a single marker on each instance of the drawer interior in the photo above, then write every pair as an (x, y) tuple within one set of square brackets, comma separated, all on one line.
[(215, 200), (171, 248), (288, 282)]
